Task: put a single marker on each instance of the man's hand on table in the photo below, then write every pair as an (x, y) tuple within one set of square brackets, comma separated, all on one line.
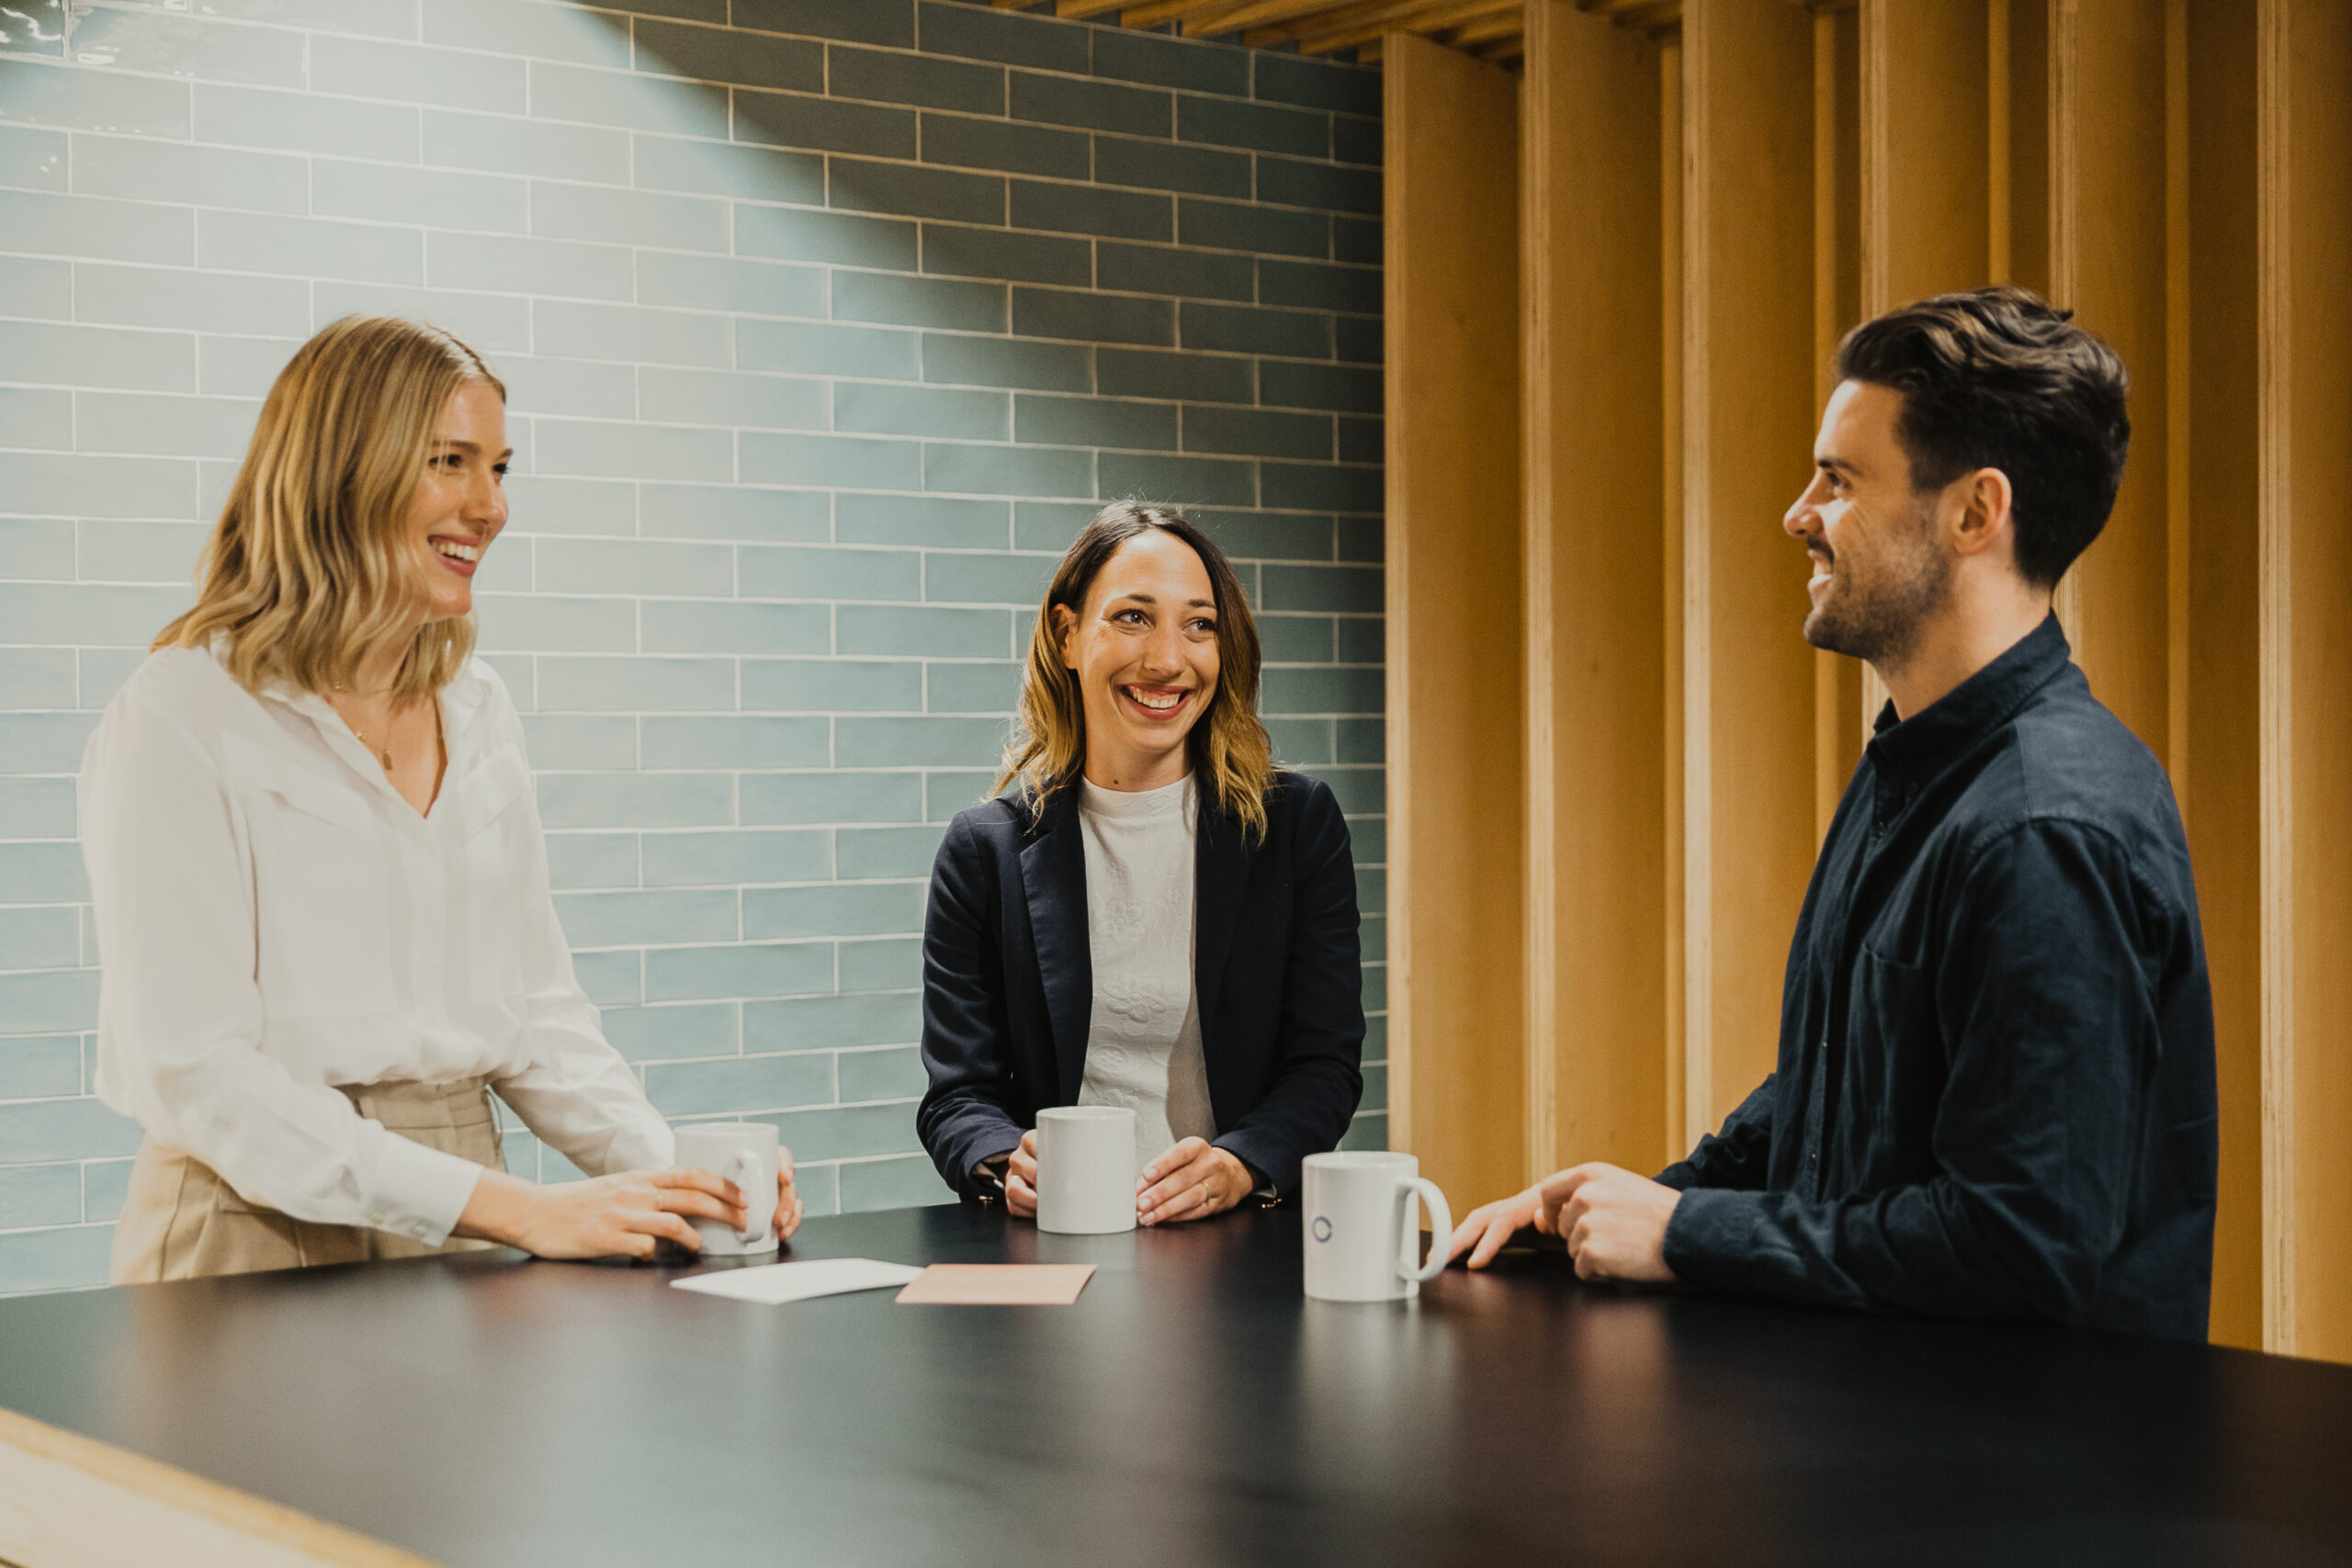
[(626, 1215), (1191, 1181), (1612, 1221)]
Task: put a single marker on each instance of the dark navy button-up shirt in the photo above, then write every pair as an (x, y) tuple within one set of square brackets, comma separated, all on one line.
[(1995, 1095)]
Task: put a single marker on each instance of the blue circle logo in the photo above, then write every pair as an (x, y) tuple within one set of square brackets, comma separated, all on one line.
[(1322, 1227)]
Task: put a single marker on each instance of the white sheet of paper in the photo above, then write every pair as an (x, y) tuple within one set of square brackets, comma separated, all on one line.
[(775, 1284)]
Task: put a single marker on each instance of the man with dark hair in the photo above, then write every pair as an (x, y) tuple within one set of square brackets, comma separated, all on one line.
[(1995, 1095)]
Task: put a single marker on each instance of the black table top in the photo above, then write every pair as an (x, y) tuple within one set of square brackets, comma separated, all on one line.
[(1191, 1408)]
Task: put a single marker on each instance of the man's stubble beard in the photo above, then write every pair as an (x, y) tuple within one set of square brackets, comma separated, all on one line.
[(1879, 618)]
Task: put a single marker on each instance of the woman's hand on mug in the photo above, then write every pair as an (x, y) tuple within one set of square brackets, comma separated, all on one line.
[(1021, 1179), (1191, 1181), (788, 1208), (605, 1216)]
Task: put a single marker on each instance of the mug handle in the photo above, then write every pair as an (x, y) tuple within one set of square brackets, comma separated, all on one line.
[(1440, 1233), (745, 1174)]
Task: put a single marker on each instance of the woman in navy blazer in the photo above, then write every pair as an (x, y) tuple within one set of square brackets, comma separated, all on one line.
[(1142, 767)]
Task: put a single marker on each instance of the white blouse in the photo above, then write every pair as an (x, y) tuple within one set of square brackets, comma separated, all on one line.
[(1142, 1037), (274, 920)]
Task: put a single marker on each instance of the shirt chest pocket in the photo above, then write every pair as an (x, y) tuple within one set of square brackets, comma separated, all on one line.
[(1895, 1057), (501, 883), (321, 893)]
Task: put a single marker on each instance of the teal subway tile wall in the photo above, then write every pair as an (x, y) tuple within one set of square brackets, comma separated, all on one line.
[(826, 324)]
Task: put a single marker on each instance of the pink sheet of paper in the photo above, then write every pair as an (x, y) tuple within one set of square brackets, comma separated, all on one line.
[(997, 1285)]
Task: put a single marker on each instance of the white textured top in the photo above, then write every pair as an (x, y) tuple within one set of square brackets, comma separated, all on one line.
[(1143, 1038), (276, 920)]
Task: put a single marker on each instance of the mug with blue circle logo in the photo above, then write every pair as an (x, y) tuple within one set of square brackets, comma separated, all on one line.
[(1361, 1242)]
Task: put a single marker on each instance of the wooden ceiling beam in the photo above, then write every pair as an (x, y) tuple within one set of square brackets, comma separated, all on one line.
[(1261, 13), (1366, 13), (1369, 19), (1491, 29), (1285, 32), (1486, 29), (1638, 14), (1428, 19), (1151, 13)]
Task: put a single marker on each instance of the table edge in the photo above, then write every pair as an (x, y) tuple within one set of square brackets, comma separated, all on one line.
[(69, 1499)]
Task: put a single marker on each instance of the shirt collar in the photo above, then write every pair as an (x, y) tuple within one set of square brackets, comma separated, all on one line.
[(1923, 743), (462, 701)]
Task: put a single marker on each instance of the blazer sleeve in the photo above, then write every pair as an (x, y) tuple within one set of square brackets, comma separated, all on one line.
[(966, 1114), (1317, 1077)]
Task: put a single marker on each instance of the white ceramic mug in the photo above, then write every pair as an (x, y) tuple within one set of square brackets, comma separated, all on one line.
[(1086, 1169), (1362, 1244), (746, 1154)]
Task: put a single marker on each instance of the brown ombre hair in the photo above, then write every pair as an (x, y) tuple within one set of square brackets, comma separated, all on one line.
[(1229, 748), (307, 572)]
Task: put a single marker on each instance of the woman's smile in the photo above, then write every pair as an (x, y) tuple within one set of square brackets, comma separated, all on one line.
[(461, 555), (1157, 704)]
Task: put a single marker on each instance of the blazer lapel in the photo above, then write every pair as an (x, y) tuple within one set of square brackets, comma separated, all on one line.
[(1053, 880), (1220, 871)]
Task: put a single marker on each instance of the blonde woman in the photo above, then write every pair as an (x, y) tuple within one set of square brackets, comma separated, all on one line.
[(1155, 918), (319, 882)]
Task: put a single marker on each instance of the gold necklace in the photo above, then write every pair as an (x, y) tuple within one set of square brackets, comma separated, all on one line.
[(384, 754)]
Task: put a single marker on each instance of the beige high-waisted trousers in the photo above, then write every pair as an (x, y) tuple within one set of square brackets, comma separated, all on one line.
[(182, 1222)]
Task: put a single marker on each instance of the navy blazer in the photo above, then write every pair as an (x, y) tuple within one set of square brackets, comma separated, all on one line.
[(1008, 981)]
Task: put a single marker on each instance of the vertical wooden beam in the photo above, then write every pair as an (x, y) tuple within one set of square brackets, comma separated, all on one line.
[(2304, 86), (2000, 97), (2108, 262), (1670, 164), (1594, 466), (1840, 709), (1455, 789), (1927, 221), (1747, 428), (2018, 142), (2178, 579), (2213, 332)]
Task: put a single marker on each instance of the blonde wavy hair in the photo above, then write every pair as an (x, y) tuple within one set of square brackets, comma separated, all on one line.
[(1231, 752), (309, 573)]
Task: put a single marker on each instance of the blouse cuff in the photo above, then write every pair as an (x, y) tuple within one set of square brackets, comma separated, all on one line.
[(419, 1192)]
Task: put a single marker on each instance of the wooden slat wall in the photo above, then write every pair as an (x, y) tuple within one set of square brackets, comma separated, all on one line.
[(1596, 671), (1669, 588), (2305, 125), (2217, 710), (2108, 262), (1846, 696), (1457, 1049), (1746, 441), (2173, 169), (1927, 223)]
